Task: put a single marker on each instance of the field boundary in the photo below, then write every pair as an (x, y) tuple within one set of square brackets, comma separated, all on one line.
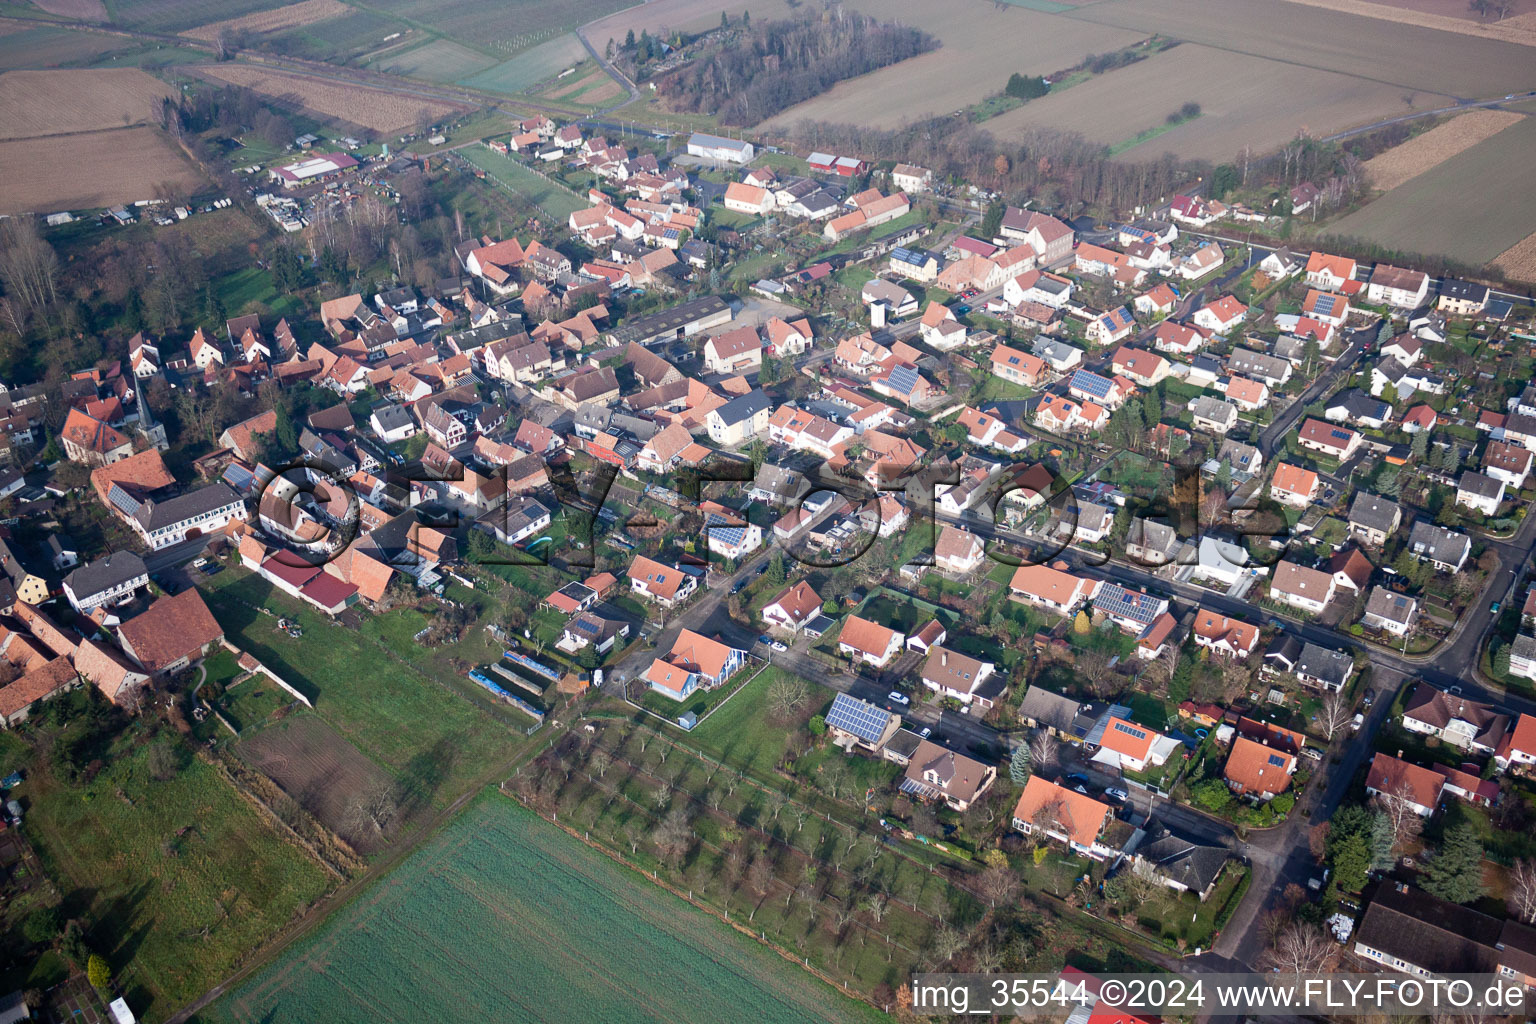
[(1501, 32)]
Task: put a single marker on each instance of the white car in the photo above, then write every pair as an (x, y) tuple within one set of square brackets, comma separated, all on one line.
[(925, 732), (778, 646), (898, 698), (1117, 793)]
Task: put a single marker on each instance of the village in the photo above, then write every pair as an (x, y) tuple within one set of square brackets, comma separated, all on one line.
[(1146, 543)]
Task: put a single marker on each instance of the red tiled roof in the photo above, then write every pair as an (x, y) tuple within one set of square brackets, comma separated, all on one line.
[(171, 629)]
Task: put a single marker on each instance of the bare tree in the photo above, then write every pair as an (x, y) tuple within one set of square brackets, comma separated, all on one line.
[(1299, 949), (1397, 803), (948, 941), (1522, 891), (28, 264), (1044, 752), (786, 696), (997, 885), (370, 812), (1094, 667), (1143, 882), (673, 836), (1335, 713), (875, 904)]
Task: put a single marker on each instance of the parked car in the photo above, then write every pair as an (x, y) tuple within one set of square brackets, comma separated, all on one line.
[(1314, 753), (898, 698), (1357, 723), (1369, 698), (1117, 793), (776, 645)]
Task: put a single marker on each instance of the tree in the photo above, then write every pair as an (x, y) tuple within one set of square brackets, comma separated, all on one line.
[(1044, 752), (673, 836), (1351, 862), (1081, 624), (1299, 948), (1456, 873), (992, 220), (1383, 840), (786, 696), (1522, 891), (98, 973), (41, 926), (997, 885), (1336, 713), (629, 40), (1018, 765)]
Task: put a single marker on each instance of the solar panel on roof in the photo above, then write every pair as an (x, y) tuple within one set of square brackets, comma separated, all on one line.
[(1340, 435), (122, 500), (858, 717), (1277, 760), (1122, 727), (903, 379), (1093, 383)]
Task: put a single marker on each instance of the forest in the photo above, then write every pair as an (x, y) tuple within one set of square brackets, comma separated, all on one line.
[(765, 68)]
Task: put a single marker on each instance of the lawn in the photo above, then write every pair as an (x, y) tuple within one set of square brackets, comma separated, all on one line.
[(743, 733), (182, 876), (477, 904), (439, 728), (557, 202)]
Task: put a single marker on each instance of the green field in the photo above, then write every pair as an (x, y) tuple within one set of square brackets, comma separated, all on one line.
[(530, 67), (54, 47), (182, 876), (177, 15), (503, 917), (500, 26), (440, 60), (532, 186), (1471, 207), (337, 39), (441, 732)]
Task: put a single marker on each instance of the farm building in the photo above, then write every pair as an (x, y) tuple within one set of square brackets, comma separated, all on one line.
[(315, 168), (720, 149)]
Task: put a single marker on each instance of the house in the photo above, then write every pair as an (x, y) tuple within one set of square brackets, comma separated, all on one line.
[(110, 580), (392, 423), (1224, 635), (1131, 747), (1017, 366), (1410, 931), (958, 550), (1111, 327), (719, 150), (1139, 365), (1132, 610), (1065, 815), (1257, 769), (911, 178), (1042, 709), (170, 634), (915, 264), (1212, 414), (962, 677), (163, 524), (1259, 365), (1158, 301), (743, 198), (1301, 587), (666, 585), (1479, 492), (589, 629), (1323, 669), (1518, 747), (1178, 339), (1405, 348), (1420, 417), (1397, 287), (738, 420), (1182, 864), (1396, 779), (1293, 486), (1390, 611), (1447, 550), (1461, 298), (1060, 356), (1108, 392), (1205, 260), (1325, 307), (1280, 264), (1329, 273), (898, 302), (91, 442), (1221, 315), (1320, 436), (1373, 518), (793, 608), (868, 642), (1039, 287), (935, 773), (1454, 719), (695, 662), (857, 724), (1508, 463), (1355, 406), (1050, 238), (1051, 588), (1151, 543), (17, 698), (735, 351), (729, 535)]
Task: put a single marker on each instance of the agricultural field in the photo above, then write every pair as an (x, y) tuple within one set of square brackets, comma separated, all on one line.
[(1471, 207), (983, 43), (321, 771), (1519, 260), (75, 10), (1445, 15), (503, 27), (180, 15), (1401, 163), (1329, 40), (183, 875), (304, 12), (530, 67), (53, 47), (1244, 101), (589, 86), (341, 39), (430, 736), (358, 105), (659, 16), (87, 171), (476, 903), (438, 60), (34, 103)]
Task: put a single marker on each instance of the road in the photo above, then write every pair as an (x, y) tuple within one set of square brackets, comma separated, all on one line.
[(1463, 105)]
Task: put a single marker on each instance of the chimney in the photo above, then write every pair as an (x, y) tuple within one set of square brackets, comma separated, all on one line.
[(943, 656), (1399, 755)]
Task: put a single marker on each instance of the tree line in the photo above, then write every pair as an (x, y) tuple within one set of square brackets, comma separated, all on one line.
[(769, 67)]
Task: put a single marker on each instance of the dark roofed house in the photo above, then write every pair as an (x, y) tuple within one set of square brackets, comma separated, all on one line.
[(106, 581), (1464, 723), (1406, 929), (1373, 518), (1043, 709), (194, 514), (1183, 864)]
